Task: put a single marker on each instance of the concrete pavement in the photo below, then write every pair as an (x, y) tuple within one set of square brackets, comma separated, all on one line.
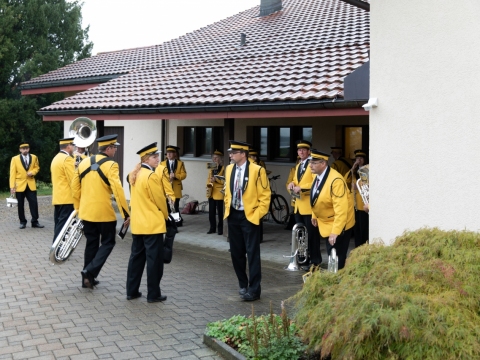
[(45, 314)]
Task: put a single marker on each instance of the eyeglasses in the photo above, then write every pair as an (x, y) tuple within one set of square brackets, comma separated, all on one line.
[(234, 152)]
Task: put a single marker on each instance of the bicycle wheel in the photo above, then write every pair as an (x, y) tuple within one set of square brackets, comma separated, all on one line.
[(279, 209)]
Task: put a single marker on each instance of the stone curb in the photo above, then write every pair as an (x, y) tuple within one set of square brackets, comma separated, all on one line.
[(221, 348)]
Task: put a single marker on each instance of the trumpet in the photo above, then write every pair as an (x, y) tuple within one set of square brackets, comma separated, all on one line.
[(212, 166)]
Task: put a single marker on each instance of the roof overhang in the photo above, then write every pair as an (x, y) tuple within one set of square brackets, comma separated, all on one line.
[(75, 85), (64, 89), (222, 111)]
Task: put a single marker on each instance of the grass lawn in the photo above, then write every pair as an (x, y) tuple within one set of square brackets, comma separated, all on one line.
[(42, 189)]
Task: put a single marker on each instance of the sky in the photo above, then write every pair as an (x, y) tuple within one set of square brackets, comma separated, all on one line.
[(125, 24)]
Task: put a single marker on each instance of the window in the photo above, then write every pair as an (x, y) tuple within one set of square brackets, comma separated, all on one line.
[(202, 141), (355, 137), (275, 143)]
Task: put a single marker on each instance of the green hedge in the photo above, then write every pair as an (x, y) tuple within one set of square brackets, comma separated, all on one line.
[(416, 299)]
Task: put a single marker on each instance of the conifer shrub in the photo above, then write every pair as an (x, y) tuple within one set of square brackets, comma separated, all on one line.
[(416, 299)]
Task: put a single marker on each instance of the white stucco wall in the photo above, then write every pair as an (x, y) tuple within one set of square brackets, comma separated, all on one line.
[(137, 134), (424, 135)]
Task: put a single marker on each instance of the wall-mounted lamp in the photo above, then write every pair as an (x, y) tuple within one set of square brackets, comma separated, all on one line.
[(372, 102)]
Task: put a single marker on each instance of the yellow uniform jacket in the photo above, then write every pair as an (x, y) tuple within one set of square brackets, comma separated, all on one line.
[(62, 169), (149, 206), (18, 173), (180, 174), (217, 184), (342, 165), (354, 193), (92, 196), (330, 204), (255, 195), (304, 180), (162, 173)]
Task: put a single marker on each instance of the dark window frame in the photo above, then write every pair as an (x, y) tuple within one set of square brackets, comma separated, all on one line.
[(199, 140), (273, 141)]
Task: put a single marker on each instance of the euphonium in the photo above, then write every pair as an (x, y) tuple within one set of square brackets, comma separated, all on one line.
[(299, 252), (363, 185), (67, 240)]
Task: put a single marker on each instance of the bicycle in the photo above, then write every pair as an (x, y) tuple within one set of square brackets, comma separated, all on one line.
[(278, 208)]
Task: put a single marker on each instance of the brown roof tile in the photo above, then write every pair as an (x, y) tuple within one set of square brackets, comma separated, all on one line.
[(301, 52)]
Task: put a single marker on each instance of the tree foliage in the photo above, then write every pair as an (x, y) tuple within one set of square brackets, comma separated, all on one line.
[(416, 299), (36, 36)]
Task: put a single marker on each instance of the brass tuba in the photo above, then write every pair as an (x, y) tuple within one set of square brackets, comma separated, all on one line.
[(67, 240), (363, 185), (85, 132), (299, 253)]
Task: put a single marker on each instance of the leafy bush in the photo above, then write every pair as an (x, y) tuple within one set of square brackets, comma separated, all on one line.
[(260, 337), (416, 299)]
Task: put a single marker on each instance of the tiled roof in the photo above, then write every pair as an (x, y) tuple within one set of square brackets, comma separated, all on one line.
[(299, 53)]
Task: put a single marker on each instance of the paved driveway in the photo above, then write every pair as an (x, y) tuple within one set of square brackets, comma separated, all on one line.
[(45, 314)]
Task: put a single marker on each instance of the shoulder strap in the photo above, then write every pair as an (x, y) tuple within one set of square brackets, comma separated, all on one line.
[(94, 166)]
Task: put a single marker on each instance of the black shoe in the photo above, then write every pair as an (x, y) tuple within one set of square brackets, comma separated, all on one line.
[(37, 225), (136, 296), (242, 291), (220, 233), (23, 226), (250, 297), (305, 267), (95, 283), (87, 279), (210, 231), (159, 299)]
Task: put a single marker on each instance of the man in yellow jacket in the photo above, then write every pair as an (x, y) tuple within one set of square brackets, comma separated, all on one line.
[(23, 169), (62, 169), (95, 180), (301, 184), (149, 213), (247, 196), (177, 173), (331, 211)]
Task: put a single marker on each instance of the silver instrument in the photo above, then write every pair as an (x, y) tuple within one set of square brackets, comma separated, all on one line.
[(174, 214), (333, 261), (294, 194), (299, 252), (85, 132), (67, 240), (363, 185), (12, 201)]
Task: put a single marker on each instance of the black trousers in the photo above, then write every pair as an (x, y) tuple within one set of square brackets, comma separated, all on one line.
[(315, 256), (341, 246), (145, 249), (361, 227), (95, 254), (215, 207), (245, 245), (60, 215), (31, 197)]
